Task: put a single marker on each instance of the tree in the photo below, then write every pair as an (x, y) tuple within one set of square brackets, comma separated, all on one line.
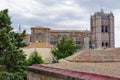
[(34, 58), (12, 59), (64, 48)]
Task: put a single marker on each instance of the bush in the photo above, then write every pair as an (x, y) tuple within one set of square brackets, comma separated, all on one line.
[(34, 58)]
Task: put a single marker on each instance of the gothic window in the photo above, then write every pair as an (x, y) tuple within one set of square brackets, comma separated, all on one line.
[(106, 28), (53, 42), (102, 28), (77, 42), (53, 39), (102, 44), (106, 44)]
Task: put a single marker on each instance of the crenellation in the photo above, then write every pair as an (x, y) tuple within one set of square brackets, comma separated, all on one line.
[(103, 33)]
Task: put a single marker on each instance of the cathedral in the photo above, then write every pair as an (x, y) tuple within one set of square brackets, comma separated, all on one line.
[(101, 34)]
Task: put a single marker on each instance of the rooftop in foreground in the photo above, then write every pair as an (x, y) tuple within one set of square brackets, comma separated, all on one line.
[(107, 68), (45, 73), (97, 61)]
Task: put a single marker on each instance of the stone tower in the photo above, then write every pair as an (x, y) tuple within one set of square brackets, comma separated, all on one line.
[(102, 30)]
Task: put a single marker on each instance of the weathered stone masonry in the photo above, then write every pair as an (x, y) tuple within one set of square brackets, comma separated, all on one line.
[(101, 34)]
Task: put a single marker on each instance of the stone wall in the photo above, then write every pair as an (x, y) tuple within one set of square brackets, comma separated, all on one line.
[(41, 34)]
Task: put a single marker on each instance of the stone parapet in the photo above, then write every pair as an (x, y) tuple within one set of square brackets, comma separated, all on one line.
[(39, 72)]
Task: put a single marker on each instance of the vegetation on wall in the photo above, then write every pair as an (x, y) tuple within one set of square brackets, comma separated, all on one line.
[(64, 48), (12, 59)]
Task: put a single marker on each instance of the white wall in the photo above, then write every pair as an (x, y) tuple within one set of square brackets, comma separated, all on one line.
[(44, 52)]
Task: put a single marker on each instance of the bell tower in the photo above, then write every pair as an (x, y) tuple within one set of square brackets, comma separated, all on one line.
[(102, 30)]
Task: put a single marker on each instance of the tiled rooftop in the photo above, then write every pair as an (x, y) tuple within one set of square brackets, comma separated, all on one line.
[(97, 61), (96, 55), (68, 74), (102, 68)]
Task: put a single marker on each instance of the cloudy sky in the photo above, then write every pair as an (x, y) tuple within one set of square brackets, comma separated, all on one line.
[(59, 14)]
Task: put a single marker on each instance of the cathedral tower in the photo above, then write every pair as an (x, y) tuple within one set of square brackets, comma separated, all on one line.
[(102, 30)]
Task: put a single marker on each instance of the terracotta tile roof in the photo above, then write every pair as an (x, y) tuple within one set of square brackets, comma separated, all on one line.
[(69, 31), (100, 68), (62, 31), (39, 27), (96, 55), (39, 45)]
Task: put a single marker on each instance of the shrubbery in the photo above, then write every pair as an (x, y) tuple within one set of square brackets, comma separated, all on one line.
[(34, 58)]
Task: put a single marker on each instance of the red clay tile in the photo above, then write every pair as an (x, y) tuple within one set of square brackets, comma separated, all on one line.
[(76, 74)]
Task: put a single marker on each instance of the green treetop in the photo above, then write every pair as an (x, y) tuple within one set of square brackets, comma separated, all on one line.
[(12, 59), (64, 48)]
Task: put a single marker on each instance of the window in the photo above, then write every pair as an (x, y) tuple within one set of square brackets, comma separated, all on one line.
[(106, 28), (102, 44), (77, 42), (53, 42), (102, 28), (106, 44), (53, 39)]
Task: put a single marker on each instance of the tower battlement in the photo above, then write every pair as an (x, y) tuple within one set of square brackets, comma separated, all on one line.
[(102, 30)]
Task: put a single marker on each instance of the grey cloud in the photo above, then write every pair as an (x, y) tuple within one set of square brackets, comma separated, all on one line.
[(97, 4), (56, 14), (51, 2), (44, 16)]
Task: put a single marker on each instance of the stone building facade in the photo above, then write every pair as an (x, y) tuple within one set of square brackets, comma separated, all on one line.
[(42, 34), (101, 34), (102, 30)]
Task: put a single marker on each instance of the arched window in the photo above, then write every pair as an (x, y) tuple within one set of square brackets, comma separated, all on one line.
[(53, 42), (102, 28), (102, 44), (53, 39), (77, 42), (106, 44), (106, 28)]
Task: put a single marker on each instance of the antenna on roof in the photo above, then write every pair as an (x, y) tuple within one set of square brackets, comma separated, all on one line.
[(19, 30)]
